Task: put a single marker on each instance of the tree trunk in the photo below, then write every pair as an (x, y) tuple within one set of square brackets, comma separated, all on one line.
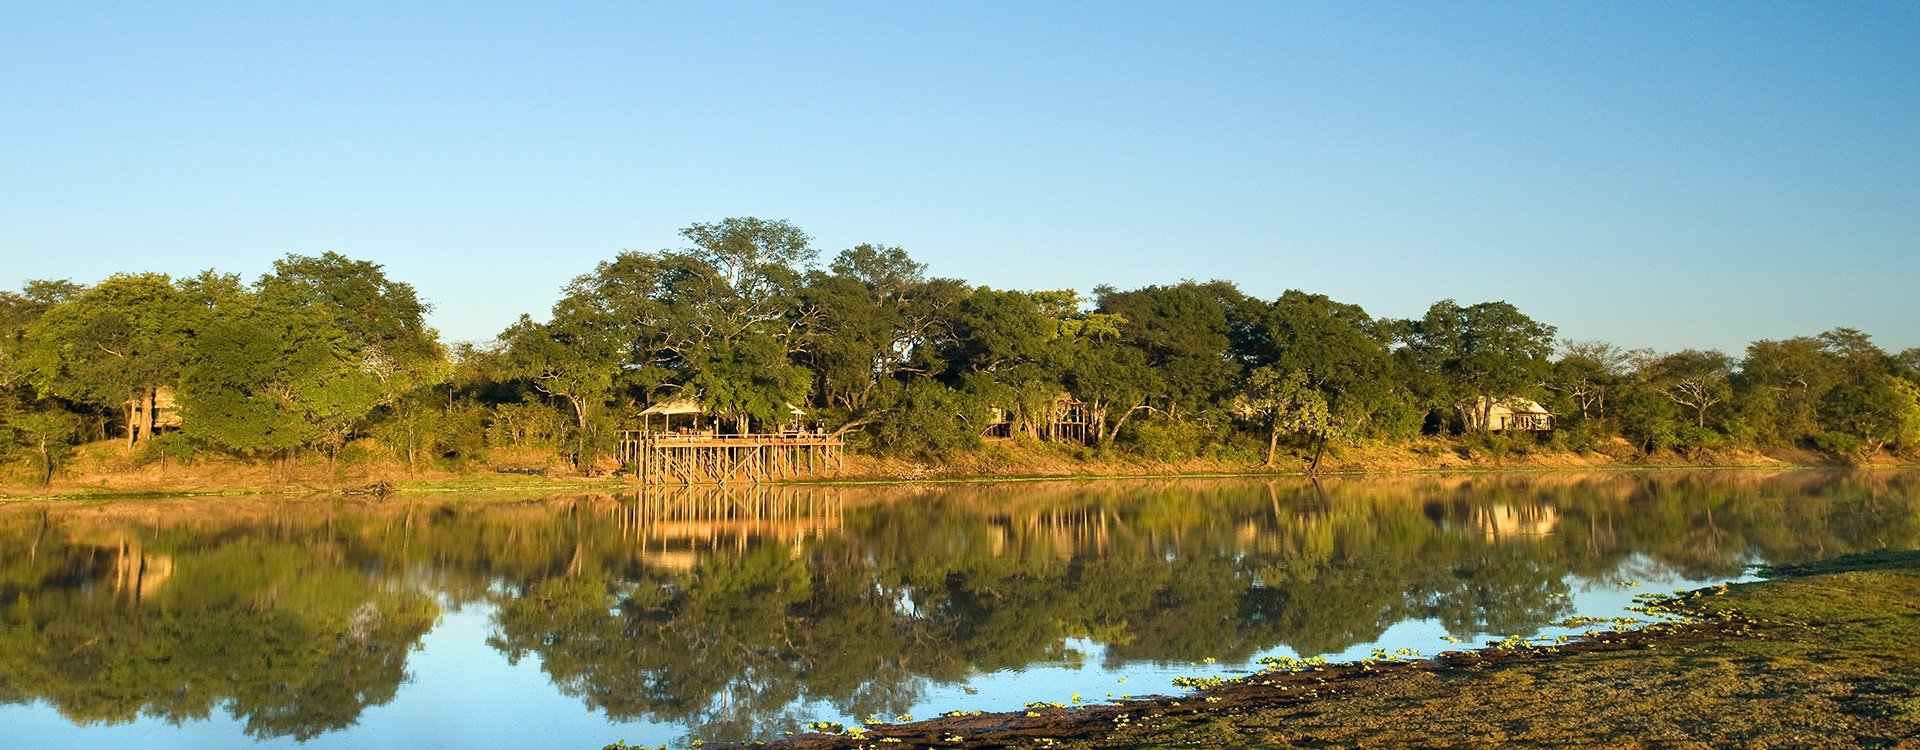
[(580, 441), (46, 462), (1319, 452), (148, 399), (1124, 416), (1273, 444)]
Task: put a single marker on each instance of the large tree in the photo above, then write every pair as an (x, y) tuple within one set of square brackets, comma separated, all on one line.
[(572, 359), (1336, 349), (384, 319), (112, 346), (1695, 379), (1471, 357), (1588, 372), (1782, 383), (867, 320), (273, 373), (1187, 332)]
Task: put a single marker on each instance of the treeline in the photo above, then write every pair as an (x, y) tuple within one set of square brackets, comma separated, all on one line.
[(326, 355)]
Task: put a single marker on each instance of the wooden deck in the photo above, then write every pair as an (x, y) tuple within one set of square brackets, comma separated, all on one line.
[(710, 458)]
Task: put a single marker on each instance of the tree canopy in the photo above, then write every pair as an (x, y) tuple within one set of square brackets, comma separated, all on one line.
[(742, 321)]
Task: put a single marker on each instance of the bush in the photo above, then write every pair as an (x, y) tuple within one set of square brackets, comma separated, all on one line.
[(1840, 444), (926, 419), (1164, 440), (177, 447), (1695, 439)]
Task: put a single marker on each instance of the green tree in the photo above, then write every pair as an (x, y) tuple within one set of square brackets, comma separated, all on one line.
[(1883, 411), (112, 346), (1341, 353), (1697, 380), (1470, 357), (1112, 377), (865, 322), (1187, 332), (1781, 384), (273, 373), (48, 434), (1288, 403), (384, 321), (1587, 372), (1003, 342), (742, 313), (571, 359)]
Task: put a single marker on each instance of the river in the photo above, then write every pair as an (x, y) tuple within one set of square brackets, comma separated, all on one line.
[(669, 615)]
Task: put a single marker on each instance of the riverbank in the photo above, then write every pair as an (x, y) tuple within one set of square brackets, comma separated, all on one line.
[(1824, 655), (104, 470)]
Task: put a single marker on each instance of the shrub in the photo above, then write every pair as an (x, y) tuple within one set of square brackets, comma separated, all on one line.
[(1845, 445)]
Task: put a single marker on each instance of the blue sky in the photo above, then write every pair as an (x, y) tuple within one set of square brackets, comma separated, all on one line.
[(1656, 174)]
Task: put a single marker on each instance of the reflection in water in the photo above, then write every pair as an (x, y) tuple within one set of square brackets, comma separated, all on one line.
[(740, 613)]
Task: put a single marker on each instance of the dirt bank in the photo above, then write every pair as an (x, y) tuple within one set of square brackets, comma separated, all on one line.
[(105, 469)]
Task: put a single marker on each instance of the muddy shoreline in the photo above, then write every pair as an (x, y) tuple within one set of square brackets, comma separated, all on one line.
[(1824, 655)]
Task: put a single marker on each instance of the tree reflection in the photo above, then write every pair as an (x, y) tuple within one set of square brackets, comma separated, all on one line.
[(286, 642), (736, 613)]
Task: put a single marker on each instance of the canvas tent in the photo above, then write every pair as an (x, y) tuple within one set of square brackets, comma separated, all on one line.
[(1513, 413)]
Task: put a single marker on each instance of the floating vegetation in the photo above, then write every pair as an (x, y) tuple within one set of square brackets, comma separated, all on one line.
[(1199, 683)]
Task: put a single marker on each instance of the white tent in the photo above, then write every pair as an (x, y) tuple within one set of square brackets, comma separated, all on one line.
[(666, 410), (676, 406)]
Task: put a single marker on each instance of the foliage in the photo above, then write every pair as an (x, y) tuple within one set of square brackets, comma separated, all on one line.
[(1466, 358), (47, 435), (929, 420), (327, 350)]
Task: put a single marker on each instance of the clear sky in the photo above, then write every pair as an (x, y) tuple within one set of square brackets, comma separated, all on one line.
[(1658, 174)]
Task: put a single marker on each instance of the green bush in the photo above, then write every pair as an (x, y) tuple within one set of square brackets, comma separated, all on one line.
[(176, 447), (1164, 440), (1845, 445), (1695, 439), (925, 418)]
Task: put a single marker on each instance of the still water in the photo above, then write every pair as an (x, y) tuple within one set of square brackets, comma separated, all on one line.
[(665, 616)]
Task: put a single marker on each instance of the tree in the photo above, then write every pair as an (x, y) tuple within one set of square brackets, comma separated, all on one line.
[(865, 322), (759, 262), (48, 434), (1187, 333), (571, 359), (748, 379), (1473, 356), (384, 319), (112, 346), (1588, 371), (744, 312), (1695, 379), (272, 373), (1882, 411), (1002, 344), (1784, 383), (1112, 377), (1289, 403), (1908, 364), (1337, 349)]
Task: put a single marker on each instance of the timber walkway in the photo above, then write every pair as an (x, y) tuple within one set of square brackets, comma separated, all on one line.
[(704, 457)]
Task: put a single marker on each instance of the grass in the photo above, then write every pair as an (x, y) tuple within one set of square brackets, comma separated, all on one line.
[(1825, 655)]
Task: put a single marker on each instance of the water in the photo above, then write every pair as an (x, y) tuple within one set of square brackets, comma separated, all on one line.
[(665, 616)]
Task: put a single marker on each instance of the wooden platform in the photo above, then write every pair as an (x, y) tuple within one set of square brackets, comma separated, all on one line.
[(709, 458)]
